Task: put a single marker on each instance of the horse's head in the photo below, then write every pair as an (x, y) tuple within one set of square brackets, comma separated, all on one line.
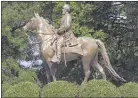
[(42, 25), (33, 23)]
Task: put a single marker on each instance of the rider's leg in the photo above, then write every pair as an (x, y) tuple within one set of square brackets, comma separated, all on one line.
[(57, 57)]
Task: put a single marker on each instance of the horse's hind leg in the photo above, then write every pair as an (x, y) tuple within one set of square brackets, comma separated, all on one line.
[(100, 69), (86, 67)]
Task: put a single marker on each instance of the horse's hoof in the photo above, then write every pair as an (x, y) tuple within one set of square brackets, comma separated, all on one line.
[(83, 83), (55, 61)]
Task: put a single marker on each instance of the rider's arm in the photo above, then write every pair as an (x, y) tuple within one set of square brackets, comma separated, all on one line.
[(64, 27)]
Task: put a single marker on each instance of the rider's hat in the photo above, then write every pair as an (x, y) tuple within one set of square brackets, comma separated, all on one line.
[(67, 7)]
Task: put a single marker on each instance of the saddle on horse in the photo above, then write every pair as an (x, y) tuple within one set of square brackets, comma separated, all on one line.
[(70, 44), (64, 45)]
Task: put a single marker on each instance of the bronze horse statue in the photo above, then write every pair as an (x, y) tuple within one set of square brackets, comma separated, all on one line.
[(90, 49)]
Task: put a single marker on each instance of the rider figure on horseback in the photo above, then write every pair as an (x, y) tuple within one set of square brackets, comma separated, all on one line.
[(65, 33)]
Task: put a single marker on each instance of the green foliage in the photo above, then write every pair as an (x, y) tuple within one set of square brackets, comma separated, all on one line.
[(80, 19), (27, 75), (98, 88), (57, 13), (14, 40), (129, 90), (10, 67), (11, 80), (60, 89), (100, 35), (13, 74), (5, 86), (24, 89), (13, 15)]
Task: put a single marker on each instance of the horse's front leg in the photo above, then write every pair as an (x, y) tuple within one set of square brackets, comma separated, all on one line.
[(53, 70)]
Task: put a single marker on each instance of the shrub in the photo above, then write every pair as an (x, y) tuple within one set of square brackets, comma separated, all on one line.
[(27, 75), (23, 89), (100, 35), (129, 90), (5, 86), (10, 79), (10, 67), (60, 89), (10, 71), (23, 76), (98, 88)]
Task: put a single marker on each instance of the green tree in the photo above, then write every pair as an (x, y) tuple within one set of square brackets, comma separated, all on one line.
[(14, 40), (14, 14)]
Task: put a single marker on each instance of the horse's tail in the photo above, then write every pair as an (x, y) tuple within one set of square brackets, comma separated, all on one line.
[(107, 61)]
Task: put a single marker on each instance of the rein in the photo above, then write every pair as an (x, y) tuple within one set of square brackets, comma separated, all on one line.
[(47, 34), (42, 33)]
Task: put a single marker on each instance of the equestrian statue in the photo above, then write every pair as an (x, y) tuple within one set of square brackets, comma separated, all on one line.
[(61, 45)]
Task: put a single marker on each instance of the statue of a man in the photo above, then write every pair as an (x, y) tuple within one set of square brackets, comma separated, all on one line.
[(65, 32)]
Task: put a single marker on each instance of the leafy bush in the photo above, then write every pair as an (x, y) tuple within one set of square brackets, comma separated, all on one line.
[(129, 90), (10, 67), (10, 71), (60, 89), (100, 35), (98, 88), (10, 80), (23, 89), (5, 86), (23, 75), (27, 75)]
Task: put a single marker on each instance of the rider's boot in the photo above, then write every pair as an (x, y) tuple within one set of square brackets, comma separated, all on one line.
[(57, 58)]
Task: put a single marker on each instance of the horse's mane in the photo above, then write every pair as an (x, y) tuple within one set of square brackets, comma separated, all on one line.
[(45, 21), (47, 24)]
